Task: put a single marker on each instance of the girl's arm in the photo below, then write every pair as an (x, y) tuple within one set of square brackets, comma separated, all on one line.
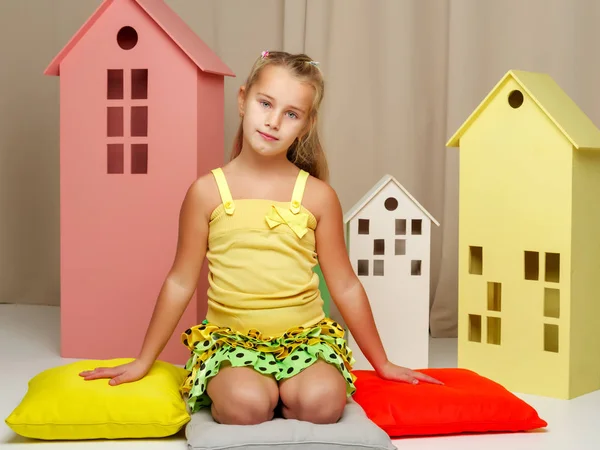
[(182, 279), (347, 291)]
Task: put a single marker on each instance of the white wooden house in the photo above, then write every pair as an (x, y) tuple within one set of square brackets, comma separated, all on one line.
[(388, 234)]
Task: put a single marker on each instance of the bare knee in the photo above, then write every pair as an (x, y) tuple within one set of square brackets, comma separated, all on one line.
[(317, 404), (244, 401), (243, 407), (320, 402)]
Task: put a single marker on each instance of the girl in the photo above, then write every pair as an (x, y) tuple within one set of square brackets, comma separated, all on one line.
[(261, 220)]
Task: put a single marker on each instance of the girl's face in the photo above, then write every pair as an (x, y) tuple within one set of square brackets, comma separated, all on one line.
[(275, 111)]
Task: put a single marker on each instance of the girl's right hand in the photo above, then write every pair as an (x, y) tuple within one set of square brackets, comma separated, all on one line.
[(125, 373)]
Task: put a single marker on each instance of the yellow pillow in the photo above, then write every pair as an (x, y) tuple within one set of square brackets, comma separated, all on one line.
[(59, 404)]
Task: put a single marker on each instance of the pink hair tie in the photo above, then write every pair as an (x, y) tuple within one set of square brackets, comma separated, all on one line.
[(264, 54)]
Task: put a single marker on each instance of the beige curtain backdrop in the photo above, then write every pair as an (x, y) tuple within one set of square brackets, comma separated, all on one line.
[(402, 75)]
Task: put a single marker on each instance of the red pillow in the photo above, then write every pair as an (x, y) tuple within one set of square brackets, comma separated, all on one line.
[(466, 403)]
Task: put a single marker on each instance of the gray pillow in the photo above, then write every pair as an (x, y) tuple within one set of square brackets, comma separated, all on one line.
[(353, 431)]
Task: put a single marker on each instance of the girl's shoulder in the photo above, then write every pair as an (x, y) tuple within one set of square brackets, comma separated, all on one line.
[(203, 195), (319, 197)]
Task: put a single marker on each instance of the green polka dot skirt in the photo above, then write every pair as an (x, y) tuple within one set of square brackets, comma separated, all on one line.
[(281, 357)]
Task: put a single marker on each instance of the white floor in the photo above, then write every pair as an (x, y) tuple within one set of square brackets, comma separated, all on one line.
[(29, 343)]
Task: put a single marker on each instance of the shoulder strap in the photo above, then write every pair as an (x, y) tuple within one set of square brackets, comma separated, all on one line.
[(298, 191), (224, 190)]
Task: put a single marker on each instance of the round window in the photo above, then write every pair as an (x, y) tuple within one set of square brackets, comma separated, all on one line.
[(127, 38), (390, 204), (515, 99)]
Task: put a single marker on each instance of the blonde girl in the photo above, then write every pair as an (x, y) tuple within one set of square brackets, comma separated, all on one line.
[(263, 221)]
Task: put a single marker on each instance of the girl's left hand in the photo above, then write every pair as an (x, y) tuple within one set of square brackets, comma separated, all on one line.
[(396, 373)]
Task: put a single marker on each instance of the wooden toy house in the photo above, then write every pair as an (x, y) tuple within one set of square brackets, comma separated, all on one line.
[(141, 117), (529, 251), (388, 235)]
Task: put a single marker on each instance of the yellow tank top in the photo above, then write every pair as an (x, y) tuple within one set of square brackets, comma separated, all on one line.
[(261, 255)]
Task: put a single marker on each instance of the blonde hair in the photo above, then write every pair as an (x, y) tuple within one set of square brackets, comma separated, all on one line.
[(306, 152)]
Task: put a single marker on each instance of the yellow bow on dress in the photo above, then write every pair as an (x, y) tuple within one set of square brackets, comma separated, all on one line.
[(297, 222)]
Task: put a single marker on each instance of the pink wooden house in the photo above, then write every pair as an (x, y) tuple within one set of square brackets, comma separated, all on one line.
[(141, 117)]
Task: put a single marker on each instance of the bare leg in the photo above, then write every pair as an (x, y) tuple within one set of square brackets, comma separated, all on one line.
[(242, 396), (317, 394)]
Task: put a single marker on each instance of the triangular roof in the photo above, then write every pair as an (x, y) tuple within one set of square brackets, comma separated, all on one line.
[(173, 25), (554, 103), (383, 182)]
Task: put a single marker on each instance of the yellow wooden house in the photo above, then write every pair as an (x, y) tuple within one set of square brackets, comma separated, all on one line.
[(529, 239)]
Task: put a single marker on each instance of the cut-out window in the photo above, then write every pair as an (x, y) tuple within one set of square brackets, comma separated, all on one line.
[(494, 333), (114, 121), (415, 267), (139, 84), (474, 328), (115, 158), (378, 267), (114, 84), (137, 126), (127, 38), (475, 260), (551, 303), (400, 226), (139, 121), (494, 296), (139, 158), (551, 337), (363, 226), (515, 99), (400, 247), (391, 204), (553, 267), (363, 267), (417, 225), (532, 265), (379, 246)]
